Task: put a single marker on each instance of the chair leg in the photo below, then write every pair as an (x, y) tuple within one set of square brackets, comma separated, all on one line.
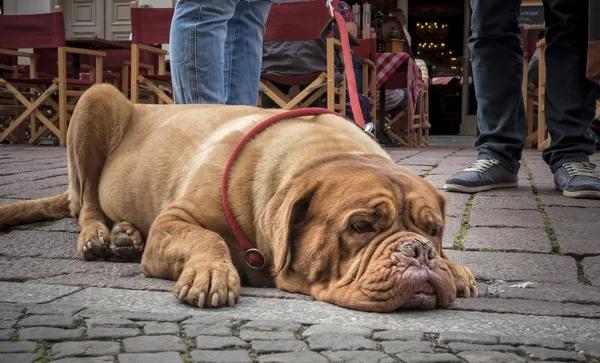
[(62, 96)]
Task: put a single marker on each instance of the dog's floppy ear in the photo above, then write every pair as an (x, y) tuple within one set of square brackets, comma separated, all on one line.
[(285, 212)]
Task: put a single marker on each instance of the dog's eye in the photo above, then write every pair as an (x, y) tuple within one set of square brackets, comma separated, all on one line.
[(363, 227), (436, 232)]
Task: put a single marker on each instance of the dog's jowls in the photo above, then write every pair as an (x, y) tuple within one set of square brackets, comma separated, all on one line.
[(331, 212)]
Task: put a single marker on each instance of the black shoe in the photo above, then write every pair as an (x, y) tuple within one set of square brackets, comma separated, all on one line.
[(577, 180), (483, 174)]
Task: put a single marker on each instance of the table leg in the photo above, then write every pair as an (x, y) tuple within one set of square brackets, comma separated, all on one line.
[(75, 66), (381, 124)]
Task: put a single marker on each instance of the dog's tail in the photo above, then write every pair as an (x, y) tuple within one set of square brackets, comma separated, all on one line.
[(36, 210)]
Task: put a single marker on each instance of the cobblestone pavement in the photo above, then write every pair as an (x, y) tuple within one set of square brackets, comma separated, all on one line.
[(535, 254)]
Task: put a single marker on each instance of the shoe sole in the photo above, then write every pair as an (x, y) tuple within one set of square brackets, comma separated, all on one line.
[(464, 189), (589, 194)]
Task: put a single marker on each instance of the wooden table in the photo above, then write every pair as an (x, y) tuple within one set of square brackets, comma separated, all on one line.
[(93, 43)]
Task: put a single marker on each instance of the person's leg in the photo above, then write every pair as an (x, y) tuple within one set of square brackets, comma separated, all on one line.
[(497, 60), (197, 42), (243, 51), (570, 98)]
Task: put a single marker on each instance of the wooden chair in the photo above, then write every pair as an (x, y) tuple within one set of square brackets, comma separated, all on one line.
[(287, 22), (53, 90), (150, 29)]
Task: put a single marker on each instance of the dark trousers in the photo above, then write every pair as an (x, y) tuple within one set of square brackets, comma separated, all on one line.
[(497, 59)]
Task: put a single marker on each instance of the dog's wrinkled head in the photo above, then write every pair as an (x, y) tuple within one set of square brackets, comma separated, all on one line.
[(361, 233)]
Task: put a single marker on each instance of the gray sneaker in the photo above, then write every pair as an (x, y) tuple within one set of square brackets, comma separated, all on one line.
[(577, 180), (483, 174)]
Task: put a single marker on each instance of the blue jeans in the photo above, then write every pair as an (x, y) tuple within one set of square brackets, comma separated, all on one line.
[(497, 57), (216, 50)]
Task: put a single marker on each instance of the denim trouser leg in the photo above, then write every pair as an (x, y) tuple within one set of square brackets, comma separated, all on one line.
[(197, 41), (497, 59), (243, 51), (570, 96)]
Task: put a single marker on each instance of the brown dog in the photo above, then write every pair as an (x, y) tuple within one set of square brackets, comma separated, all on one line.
[(331, 212)]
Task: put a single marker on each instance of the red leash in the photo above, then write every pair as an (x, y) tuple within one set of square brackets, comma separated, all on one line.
[(254, 258)]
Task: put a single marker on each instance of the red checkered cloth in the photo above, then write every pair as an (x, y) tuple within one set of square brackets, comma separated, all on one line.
[(388, 63)]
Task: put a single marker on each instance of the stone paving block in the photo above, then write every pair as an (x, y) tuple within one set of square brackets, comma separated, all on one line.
[(457, 347), (337, 329), (481, 202), (456, 203), (249, 335), (19, 269), (17, 347), (11, 315), (213, 321), (112, 333), (398, 335), (558, 200), (428, 358), (19, 357), (41, 193), (88, 348), (135, 315), (109, 322), (573, 293), (15, 292), (221, 356), (552, 354), (448, 337), (294, 357), (13, 307), (7, 324), (193, 330), (5, 201), (491, 357), (6, 334), (437, 180), (273, 293), (139, 282), (523, 190), (278, 346), (154, 328), (330, 341), (104, 359), (419, 170), (591, 269), (39, 244), (57, 321), (17, 188), (518, 306), (398, 346), (576, 238), (579, 215), (209, 342), (62, 225), (451, 229), (55, 309), (364, 356), (506, 217), (152, 344), (589, 348), (33, 175), (508, 239), (518, 266), (51, 334), (271, 325), (170, 357), (532, 341)]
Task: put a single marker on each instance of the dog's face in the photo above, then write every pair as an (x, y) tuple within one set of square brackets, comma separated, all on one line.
[(361, 233)]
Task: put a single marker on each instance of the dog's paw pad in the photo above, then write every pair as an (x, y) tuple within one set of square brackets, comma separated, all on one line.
[(126, 240), (92, 243)]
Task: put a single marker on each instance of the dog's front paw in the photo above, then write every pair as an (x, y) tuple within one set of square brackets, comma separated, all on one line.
[(205, 283), (465, 283), (92, 243), (126, 241)]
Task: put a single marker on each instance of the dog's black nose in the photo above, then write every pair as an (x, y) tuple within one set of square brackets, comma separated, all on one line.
[(419, 249)]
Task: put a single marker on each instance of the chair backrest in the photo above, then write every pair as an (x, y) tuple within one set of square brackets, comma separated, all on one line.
[(32, 31), (296, 20), (150, 25)]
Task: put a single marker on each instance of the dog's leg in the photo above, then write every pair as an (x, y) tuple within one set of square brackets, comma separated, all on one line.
[(179, 249), (95, 130)]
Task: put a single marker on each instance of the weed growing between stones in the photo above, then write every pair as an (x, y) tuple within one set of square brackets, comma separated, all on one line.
[(43, 351), (428, 172), (465, 226), (580, 275), (542, 209), (187, 358)]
